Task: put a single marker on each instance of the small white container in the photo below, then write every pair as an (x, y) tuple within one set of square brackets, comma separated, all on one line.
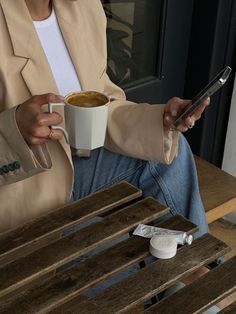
[(163, 247)]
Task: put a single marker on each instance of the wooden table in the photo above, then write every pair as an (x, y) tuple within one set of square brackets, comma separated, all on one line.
[(217, 189), (36, 275)]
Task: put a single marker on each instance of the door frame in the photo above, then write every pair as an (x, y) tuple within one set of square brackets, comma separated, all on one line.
[(212, 47)]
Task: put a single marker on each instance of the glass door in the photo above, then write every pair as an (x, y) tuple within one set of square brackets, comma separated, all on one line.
[(148, 44)]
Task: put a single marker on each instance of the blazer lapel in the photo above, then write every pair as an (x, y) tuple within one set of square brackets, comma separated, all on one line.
[(36, 73)]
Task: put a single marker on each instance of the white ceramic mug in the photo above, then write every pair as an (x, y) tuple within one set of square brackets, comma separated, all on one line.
[(85, 119)]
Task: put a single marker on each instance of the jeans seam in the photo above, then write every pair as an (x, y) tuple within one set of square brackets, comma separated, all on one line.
[(121, 177), (164, 188)]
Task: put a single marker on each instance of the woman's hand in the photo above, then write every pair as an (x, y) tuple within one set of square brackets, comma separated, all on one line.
[(175, 107), (34, 124)]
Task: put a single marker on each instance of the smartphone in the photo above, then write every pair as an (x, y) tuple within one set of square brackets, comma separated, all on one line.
[(218, 81)]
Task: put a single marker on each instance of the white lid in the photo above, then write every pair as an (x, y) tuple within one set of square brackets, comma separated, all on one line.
[(189, 239), (163, 246)]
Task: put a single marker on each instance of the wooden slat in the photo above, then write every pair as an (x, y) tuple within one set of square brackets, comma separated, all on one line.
[(81, 298), (51, 227), (47, 229), (207, 291), (231, 309), (153, 279), (43, 262), (217, 189), (66, 286)]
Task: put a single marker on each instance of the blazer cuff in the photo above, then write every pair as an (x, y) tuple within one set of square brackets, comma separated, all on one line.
[(137, 130), (171, 140)]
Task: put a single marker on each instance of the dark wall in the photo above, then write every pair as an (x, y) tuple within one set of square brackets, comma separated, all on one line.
[(212, 46)]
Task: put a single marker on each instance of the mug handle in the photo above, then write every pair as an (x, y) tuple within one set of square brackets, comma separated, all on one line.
[(57, 127)]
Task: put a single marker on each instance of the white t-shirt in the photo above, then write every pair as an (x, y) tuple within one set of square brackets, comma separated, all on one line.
[(57, 54)]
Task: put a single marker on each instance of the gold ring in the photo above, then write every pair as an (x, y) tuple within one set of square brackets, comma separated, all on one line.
[(50, 135)]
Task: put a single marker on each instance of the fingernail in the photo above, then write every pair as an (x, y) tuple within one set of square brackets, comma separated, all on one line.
[(61, 97), (174, 113), (167, 117)]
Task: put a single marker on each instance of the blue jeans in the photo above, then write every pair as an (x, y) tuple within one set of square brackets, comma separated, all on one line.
[(174, 185)]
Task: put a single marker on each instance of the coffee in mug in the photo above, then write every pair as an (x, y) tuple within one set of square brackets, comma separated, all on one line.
[(86, 99), (86, 115)]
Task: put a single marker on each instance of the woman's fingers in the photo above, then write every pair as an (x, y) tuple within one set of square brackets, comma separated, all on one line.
[(198, 112), (190, 121), (35, 125), (175, 107)]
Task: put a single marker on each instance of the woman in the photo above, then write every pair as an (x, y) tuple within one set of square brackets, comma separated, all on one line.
[(51, 48), (49, 52)]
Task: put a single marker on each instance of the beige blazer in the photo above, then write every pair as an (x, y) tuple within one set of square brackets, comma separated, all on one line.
[(36, 180)]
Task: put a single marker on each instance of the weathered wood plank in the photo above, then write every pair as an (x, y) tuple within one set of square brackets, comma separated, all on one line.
[(207, 291), (49, 228), (45, 261), (152, 279), (217, 189), (66, 286), (231, 309)]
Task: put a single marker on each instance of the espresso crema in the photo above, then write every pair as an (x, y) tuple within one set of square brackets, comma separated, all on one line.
[(87, 99)]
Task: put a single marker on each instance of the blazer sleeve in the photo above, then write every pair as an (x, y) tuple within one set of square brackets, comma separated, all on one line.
[(134, 130), (137, 130), (17, 160)]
